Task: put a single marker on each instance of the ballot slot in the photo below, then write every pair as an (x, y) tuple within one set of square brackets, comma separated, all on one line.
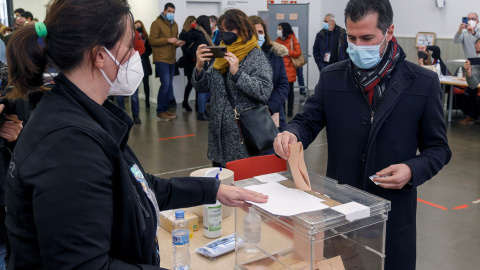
[(318, 239)]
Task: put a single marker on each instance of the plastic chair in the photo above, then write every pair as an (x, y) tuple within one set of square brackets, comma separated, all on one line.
[(253, 166)]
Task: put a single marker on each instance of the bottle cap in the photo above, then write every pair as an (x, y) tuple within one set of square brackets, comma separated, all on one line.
[(179, 214)]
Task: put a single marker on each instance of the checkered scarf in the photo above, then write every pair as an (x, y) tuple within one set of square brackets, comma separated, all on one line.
[(369, 79)]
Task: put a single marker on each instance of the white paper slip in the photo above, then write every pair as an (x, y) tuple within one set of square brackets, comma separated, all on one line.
[(285, 201), (272, 177), (353, 210)]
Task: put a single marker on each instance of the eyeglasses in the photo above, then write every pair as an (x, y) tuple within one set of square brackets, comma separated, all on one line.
[(473, 19)]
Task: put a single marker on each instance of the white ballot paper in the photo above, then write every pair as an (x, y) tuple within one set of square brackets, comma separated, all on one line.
[(272, 177), (285, 201)]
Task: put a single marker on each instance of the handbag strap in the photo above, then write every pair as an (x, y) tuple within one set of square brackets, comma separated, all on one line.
[(229, 94)]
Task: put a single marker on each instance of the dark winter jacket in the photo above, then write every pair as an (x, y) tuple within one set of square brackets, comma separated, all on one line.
[(147, 65), (321, 47), (250, 87), (76, 193), (188, 60), (275, 53), (361, 143)]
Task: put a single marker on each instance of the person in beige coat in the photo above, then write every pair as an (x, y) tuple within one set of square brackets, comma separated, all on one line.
[(164, 42)]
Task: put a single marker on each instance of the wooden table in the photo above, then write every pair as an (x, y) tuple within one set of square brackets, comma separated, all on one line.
[(198, 262), (275, 240), (451, 81)]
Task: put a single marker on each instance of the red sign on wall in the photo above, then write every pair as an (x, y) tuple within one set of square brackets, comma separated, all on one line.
[(284, 2), (270, 2), (293, 2)]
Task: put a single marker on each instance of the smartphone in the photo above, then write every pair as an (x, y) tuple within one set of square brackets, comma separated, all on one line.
[(475, 61), (465, 20), (218, 51)]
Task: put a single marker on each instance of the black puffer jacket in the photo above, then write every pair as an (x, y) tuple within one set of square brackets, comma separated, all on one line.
[(75, 198)]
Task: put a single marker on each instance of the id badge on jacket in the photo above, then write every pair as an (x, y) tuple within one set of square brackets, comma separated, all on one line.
[(326, 58)]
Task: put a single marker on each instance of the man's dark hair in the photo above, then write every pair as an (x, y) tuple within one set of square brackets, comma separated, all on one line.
[(477, 41), (213, 18), (19, 10), (26, 15), (168, 5), (356, 10)]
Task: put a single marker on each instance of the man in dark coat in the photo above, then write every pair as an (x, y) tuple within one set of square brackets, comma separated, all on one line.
[(330, 43), (378, 110)]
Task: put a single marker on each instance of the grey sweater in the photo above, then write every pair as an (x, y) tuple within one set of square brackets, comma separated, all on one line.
[(251, 86), (475, 79), (468, 42)]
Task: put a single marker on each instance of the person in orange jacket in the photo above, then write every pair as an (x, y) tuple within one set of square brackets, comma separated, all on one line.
[(287, 38)]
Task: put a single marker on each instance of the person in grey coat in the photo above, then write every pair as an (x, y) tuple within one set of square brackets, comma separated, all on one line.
[(249, 76)]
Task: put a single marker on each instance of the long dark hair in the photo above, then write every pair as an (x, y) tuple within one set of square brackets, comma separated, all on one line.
[(75, 28), (286, 28), (204, 21), (237, 19)]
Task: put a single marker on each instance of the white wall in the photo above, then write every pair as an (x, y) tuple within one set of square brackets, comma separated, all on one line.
[(413, 16)]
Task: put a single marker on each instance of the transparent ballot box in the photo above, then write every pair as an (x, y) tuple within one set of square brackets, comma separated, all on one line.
[(349, 233)]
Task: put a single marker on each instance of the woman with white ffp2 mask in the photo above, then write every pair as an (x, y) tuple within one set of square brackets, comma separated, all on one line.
[(92, 196)]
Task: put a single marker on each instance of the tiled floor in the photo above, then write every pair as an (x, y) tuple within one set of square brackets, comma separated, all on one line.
[(447, 239)]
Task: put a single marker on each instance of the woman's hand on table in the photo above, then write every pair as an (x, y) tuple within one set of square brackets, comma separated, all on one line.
[(236, 196)]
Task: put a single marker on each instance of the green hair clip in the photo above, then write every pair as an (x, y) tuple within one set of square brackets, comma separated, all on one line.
[(41, 29)]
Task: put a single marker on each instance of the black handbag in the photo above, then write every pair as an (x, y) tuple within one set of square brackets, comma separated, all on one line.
[(257, 129)]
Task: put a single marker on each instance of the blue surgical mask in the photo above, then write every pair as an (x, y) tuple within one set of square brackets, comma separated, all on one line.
[(170, 16), (365, 57), (326, 26), (261, 40)]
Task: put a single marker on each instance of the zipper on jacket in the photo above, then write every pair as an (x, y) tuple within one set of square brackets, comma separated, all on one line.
[(144, 210), (371, 122)]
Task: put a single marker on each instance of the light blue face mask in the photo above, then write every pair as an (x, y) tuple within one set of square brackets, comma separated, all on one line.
[(365, 57), (261, 40), (326, 26), (170, 16)]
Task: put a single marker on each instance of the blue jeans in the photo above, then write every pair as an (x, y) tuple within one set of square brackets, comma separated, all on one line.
[(202, 101), (165, 72), (135, 105), (3, 253)]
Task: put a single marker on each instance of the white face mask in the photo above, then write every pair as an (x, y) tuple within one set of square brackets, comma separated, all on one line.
[(472, 23), (279, 33), (129, 76)]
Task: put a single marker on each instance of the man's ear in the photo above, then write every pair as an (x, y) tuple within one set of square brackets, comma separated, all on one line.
[(99, 57), (390, 32)]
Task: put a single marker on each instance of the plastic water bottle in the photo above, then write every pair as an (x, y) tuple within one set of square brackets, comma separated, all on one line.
[(460, 73), (438, 69), (252, 229), (181, 242)]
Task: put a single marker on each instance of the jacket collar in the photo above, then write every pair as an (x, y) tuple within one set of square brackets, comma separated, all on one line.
[(402, 77), (110, 117)]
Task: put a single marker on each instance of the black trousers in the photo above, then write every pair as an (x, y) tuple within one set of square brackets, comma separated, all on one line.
[(471, 95), (290, 99)]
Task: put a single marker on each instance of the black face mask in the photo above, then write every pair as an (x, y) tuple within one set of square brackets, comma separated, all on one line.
[(139, 30), (229, 38)]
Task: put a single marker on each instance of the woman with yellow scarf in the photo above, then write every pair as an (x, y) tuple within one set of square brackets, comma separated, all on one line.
[(248, 74)]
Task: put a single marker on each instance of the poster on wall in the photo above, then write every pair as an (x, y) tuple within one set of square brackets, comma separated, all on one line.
[(425, 39)]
